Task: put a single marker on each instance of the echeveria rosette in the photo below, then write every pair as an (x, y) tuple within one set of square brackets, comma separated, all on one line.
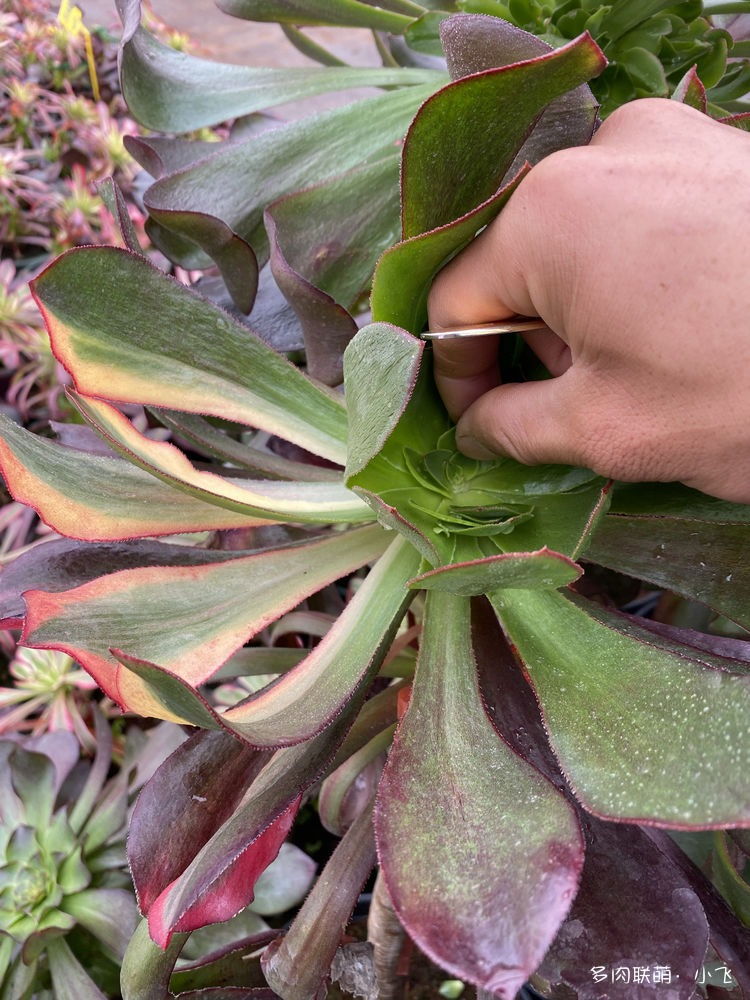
[(62, 867)]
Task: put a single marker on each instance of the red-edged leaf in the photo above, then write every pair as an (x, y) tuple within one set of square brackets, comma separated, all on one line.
[(489, 115), (545, 569), (212, 609), (307, 698), (474, 43), (644, 730), (456, 802), (62, 564), (96, 498), (231, 891), (215, 866)]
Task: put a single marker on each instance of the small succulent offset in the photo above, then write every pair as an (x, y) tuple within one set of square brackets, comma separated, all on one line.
[(540, 742), (67, 908)]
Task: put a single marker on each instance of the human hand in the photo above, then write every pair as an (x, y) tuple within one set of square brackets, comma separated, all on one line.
[(634, 250)]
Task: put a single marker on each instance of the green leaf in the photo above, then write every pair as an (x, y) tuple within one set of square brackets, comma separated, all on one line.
[(285, 883), (544, 569), (111, 915), (728, 880), (212, 610), (223, 195), (96, 498), (70, 980), (112, 319), (461, 818), (377, 395), (642, 731), (343, 13), (488, 116), (307, 698), (646, 71), (170, 91), (405, 272), (269, 500)]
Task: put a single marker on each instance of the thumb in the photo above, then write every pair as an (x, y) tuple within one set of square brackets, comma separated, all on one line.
[(533, 422)]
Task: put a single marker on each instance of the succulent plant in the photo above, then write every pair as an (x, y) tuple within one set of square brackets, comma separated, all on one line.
[(67, 908)]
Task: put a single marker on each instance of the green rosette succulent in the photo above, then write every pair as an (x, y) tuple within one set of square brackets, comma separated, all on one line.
[(67, 907)]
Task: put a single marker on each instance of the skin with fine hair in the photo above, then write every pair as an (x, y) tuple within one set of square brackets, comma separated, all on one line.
[(635, 251)]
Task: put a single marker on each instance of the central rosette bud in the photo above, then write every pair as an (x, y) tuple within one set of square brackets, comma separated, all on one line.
[(464, 496)]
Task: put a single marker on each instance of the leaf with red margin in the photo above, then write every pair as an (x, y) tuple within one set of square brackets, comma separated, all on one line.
[(306, 501), (474, 43), (306, 699), (461, 817), (215, 861), (211, 610), (112, 318), (488, 116), (667, 927), (65, 563), (690, 91), (192, 794), (404, 273), (676, 538), (544, 568), (642, 730), (349, 222), (100, 499), (231, 891)]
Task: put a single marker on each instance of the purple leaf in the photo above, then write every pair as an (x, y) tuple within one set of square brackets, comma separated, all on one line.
[(729, 938), (194, 791), (230, 890), (480, 853), (634, 910), (213, 876)]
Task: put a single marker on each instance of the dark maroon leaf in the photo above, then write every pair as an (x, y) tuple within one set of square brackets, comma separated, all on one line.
[(194, 791), (480, 853), (507, 697), (676, 538), (729, 938), (634, 911)]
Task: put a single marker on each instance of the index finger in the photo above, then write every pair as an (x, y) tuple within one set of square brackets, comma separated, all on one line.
[(464, 370)]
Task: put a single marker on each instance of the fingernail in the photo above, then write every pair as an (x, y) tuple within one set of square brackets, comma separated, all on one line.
[(473, 448)]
